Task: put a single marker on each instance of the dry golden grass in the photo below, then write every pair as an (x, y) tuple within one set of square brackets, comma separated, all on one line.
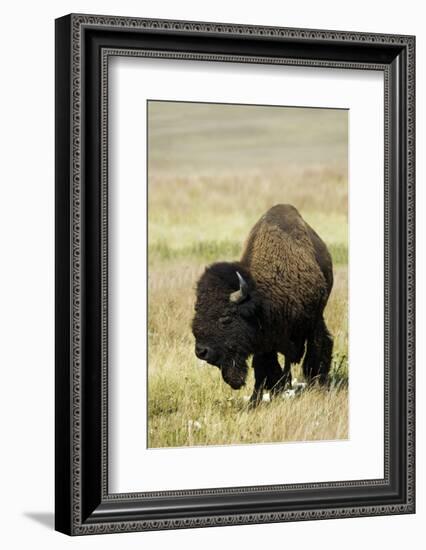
[(183, 390), (203, 199), (215, 416)]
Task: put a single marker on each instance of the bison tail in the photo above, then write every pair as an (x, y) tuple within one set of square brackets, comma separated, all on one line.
[(317, 362)]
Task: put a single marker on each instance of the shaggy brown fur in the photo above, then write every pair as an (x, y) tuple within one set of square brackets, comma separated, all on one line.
[(287, 275)]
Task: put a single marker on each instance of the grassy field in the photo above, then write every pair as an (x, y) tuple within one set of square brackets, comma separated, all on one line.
[(213, 171)]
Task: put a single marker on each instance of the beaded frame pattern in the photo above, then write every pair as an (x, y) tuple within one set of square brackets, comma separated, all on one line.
[(78, 22)]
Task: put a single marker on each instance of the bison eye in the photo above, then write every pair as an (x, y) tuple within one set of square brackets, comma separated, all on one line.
[(225, 320)]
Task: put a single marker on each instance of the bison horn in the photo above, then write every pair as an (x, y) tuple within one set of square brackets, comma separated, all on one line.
[(240, 294)]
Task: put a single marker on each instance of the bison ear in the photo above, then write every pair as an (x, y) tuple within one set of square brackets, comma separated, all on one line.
[(242, 293), (250, 308)]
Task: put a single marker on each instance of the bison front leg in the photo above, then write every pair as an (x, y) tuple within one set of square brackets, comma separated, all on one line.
[(285, 379), (267, 373), (317, 362)]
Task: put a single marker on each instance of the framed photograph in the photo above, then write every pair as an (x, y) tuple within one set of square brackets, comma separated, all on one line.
[(234, 274)]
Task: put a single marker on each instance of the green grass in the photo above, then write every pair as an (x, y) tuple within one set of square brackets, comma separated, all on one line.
[(209, 251)]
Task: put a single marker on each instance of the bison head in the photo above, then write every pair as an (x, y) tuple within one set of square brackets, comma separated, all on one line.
[(226, 320)]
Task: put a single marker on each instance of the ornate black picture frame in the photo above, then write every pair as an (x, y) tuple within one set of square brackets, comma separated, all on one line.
[(84, 44)]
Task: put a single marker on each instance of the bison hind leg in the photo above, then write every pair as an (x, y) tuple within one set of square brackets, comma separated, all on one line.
[(317, 362)]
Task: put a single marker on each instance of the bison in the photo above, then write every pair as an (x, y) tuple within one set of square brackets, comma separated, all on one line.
[(270, 301)]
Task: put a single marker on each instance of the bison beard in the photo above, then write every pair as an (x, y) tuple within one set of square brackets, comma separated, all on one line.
[(235, 374), (271, 301)]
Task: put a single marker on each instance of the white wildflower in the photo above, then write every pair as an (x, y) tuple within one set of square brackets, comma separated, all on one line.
[(289, 394), (194, 424), (298, 387)]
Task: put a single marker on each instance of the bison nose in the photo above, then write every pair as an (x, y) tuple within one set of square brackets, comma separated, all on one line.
[(206, 354), (202, 352)]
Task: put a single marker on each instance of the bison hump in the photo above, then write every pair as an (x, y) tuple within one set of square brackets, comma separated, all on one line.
[(281, 257)]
